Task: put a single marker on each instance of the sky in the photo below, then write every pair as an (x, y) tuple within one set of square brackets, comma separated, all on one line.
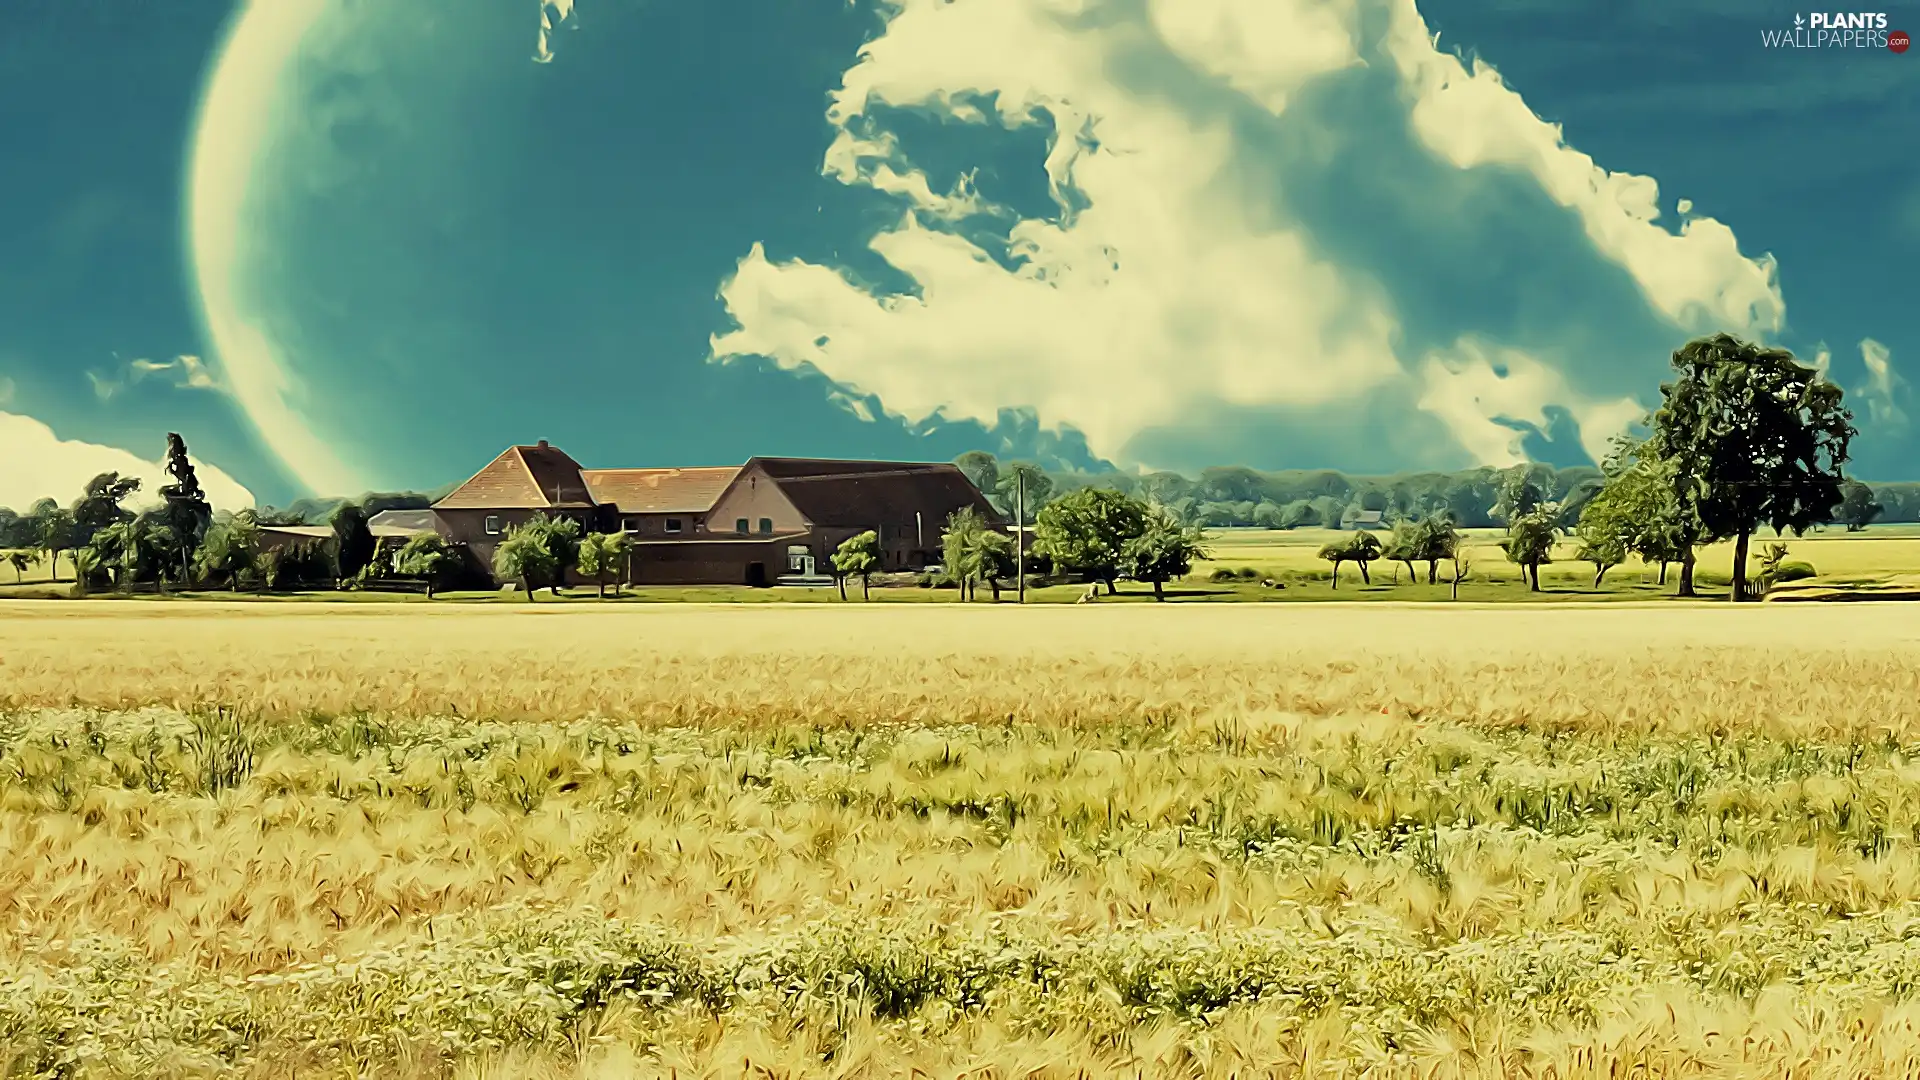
[(344, 246)]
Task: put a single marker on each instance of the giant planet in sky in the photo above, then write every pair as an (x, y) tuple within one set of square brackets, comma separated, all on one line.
[(414, 244)]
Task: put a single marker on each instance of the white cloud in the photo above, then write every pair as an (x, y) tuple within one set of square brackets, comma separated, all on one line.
[(1883, 385), (553, 15), (41, 465), (1697, 277), (1472, 386), (1168, 281), (182, 372)]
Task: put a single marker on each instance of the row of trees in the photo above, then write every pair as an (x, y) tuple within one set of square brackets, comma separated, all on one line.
[(101, 537), (1292, 499), (539, 552), (1099, 534), (1745, 438)]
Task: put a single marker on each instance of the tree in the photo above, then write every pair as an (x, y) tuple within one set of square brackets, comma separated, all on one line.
[(1638, 507), (1437, 540), (353, 544), (601, 555), (1085, 531), (1755, 438), (1461, 568), (55, 529), (1857, 506), (995, 552), (187, 512), (1529, 540), (99, 504), (1361, 549), (1026, 483), (19, 560), (1403, 546), (229, 550), (857, 556), (982, 470), (524, 557), (118, 546), (1520, 494), (1268, 515), (427, 557), (86, 567), (1162, 552), (961, 551), (1605, 537)]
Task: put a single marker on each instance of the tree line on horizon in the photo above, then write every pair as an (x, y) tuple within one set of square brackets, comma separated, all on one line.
[(1745, 437)]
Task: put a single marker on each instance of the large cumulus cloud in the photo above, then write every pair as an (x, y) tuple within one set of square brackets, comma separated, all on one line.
[(1271, 220)]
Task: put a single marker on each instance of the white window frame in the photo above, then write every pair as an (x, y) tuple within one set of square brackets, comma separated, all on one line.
[(675, 526), (492, 525)]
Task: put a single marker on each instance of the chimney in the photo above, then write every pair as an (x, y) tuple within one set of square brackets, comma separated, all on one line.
[(542, 444)]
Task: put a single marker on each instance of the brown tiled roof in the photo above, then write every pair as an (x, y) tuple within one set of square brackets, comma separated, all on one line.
[(863, 494), (659, 491), (522, 478)]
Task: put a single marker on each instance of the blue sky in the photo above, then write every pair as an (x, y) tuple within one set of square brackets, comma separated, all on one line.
[(389, 239)]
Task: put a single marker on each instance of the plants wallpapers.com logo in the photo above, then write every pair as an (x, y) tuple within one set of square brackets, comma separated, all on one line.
[(1838, 30)]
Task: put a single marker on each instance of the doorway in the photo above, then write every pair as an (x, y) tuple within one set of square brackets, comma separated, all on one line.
[(757, 575)]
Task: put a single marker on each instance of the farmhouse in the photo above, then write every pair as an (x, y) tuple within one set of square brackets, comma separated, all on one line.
[(752, 524)]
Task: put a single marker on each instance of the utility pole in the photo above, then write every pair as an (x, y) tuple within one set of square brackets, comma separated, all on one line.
[(1020, 531)]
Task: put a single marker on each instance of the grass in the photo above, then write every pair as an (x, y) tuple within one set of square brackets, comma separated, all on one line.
[(569, 840)]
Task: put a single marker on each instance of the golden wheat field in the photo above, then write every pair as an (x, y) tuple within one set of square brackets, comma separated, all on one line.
[(892, 841)]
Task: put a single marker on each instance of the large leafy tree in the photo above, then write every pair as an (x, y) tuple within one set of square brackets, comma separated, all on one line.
[(1754, 437), (524, 557), (1162, 552), (187, 512), (858, 556), (19, 560), (1529, 540), (538, 552), (1086, 532)]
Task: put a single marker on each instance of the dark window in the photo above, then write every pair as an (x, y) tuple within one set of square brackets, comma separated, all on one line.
[(631, 525), (766, 526), (740, 526), (673, 525), (493, 525)]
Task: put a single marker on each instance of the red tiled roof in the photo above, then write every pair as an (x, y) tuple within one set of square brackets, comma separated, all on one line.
[(659, 491), (522, 478), (858, 494)]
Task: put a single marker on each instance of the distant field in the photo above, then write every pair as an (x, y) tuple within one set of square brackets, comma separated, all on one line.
[(1881, 549), (891, 841)]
